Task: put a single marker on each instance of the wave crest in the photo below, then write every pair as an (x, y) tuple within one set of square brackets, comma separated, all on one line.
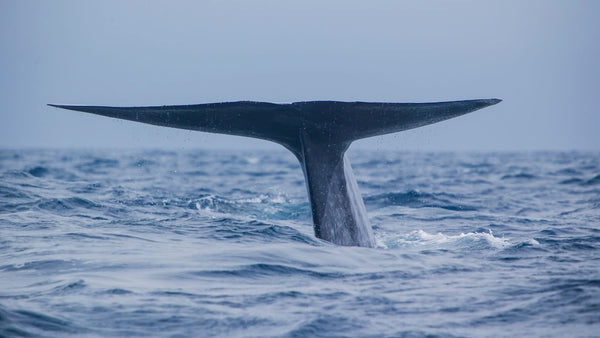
[(422, 240)]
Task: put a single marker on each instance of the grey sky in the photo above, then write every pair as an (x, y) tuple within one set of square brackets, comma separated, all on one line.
[(540, 57)]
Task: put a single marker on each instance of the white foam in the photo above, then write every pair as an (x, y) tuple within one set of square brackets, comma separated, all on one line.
[(257, 199), (422, 240), (252, 160)]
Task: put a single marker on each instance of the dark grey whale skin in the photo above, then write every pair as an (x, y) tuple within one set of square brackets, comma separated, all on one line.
[(318, 133)]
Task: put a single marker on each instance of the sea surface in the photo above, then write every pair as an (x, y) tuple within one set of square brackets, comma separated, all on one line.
[(220, 243)]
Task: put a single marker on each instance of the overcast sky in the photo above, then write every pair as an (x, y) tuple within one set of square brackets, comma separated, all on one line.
[(540, 57)]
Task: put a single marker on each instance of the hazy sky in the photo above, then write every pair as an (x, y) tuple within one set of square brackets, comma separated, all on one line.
[(540, 57)]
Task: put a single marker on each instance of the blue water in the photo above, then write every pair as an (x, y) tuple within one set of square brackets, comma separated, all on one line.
[(200, 243)]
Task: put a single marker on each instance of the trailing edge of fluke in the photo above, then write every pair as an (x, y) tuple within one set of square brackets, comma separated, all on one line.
[(318, 133)]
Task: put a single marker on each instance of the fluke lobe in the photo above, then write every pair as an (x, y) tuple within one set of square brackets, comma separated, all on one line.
[(318, 133)]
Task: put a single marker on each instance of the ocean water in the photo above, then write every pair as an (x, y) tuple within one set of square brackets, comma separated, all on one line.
[(207, 243)]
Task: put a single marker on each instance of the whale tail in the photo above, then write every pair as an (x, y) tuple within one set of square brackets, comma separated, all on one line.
[(317, 132), (331, 121)]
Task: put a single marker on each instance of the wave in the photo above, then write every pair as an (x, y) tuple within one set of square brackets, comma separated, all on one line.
[(70, 203), (333, 325), (43, 265), (264, 270), (583, 182), (519, 176), (245, 231), (417, 199), (262, 206), (11, 193), (422, 240), (26, 323), (97, 165)]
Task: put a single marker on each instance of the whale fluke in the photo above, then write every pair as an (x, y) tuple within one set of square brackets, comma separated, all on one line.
[(318, 133)]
